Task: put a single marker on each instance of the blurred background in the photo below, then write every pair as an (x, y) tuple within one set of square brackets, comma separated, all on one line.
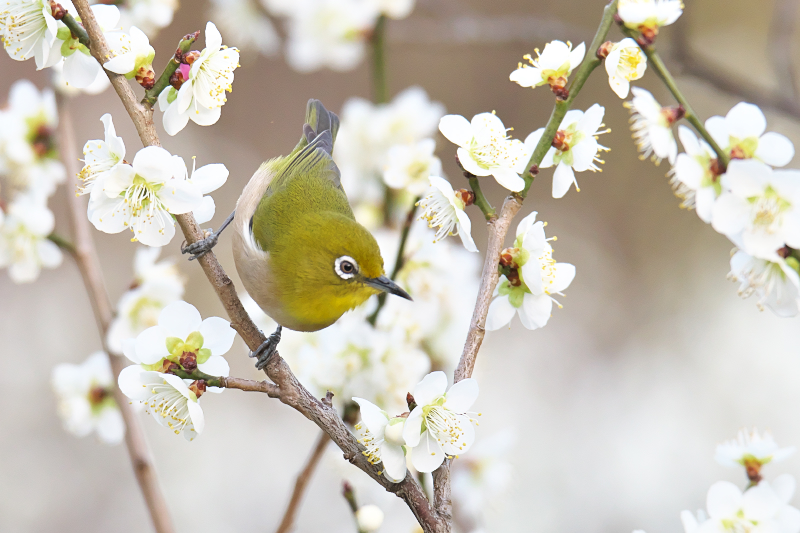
[(615, 407)]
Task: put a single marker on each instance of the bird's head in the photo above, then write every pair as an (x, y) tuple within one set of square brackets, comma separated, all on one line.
[(340, 268)]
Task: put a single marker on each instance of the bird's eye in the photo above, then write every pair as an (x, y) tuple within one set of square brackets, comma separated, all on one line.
[(345, 267)]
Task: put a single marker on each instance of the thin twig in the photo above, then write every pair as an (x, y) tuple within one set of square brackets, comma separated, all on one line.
[(76, 29), (151, 95), (302, 482), (86, 258), (290, 391)]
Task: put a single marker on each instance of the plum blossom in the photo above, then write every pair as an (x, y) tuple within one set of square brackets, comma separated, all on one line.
[(167, 397), (647, 16), (206, 179), (182, 337), (80, 68), (100, 83), (155, 285), (28, 30), (132, 55), (775, 280), (532, 278), (760, 210), (328, 33), (24, 247), (693, 177), (86, 399), (764, 507), (439, 425), (409, 166), (625, 63), (202, 95), (485, 149), (382, 436), (101, 156), (741, 134), (652, 127), (575, 147), (749, 448), (553, 66), (369, 518), (142, 197), (443, 208)]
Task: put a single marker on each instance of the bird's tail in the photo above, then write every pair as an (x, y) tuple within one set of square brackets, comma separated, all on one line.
[(318, 121)]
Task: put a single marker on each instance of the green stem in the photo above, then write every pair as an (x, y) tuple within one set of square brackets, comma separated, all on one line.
[(480, 200), (211, 381), (77, 30), (61, 242), (658, 65), (400, 261), (151, 95), (380, 86), (578, 78)]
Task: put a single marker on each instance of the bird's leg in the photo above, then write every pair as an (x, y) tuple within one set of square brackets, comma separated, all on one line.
[(267, 348), (200, 248)]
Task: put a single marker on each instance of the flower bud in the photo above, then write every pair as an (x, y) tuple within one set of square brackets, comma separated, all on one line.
[(190, 57), (716, 168), (369, 518), (146, 76), (673, 114), (57, 10), (167, 367), (559, 87), (534, 171), (198, 387), (604, 50), (466, 196), (513, 278), (508, 257), (784, 252), (648, 35), (176, 80), (188, 361), (560, 141), (410, 401)]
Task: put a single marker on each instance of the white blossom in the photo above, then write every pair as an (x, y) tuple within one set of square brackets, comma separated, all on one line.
[(485, 149), (625, 63), (246, 24), (80, 68), (652, 127), (759, 208), (774, 280), (28, 30), (382, 436), (409, 166), (645, 15), (741, 134), (86, 399), (142, 197), (692, 177), (552, 66), (440, 424), (202, 95), (369, 518), (206, 179), (148, 15), (100, 83), (577, 147), (751, 446), (101, 156), (538, 277), (443, 208), (24, 247), (131, 53), (328, 33)]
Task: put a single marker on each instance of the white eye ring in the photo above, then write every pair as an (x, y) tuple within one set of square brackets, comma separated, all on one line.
[(345, 267)]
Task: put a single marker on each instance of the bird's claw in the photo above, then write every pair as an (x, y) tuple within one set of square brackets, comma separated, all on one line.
[(200, 248), (267, 349)]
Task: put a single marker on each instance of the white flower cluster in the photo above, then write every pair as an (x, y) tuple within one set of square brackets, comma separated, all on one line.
[(331, 33), (762, 506), (393, 141), (29, 174), (143, 196), (439, 425), (181, 340)]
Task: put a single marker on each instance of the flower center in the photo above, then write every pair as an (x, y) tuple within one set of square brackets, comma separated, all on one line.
[(767, 210), (170, 403), (444, 425), (394, 432)]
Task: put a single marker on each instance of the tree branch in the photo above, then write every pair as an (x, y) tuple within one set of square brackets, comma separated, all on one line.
[(85, 255), (302, 481), (290, 391)]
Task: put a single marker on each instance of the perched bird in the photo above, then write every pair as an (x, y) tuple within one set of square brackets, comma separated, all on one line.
[(297, 246)]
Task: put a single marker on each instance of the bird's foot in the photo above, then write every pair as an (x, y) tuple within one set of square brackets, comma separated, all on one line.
[(200, 248), (267, 349)]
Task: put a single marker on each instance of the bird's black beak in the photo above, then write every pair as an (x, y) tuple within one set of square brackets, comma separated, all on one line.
[(384, 284)]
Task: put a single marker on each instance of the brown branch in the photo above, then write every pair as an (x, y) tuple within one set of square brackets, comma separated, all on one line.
[(85, 256), (290, 391), (302, 482), (784, 19)]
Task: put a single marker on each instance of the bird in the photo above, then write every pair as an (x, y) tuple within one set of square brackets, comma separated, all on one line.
[(298, 249)]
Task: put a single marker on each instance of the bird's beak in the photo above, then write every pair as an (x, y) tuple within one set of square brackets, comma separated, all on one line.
[(384, 284)]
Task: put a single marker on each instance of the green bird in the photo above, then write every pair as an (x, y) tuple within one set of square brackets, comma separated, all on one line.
[(297, 246)]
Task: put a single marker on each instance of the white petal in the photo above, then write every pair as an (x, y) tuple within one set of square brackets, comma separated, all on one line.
[(203, 116), (784, 486), (563, 178), (718, 129), (724, 499), (564, 275), (535, 311), (525, 224), (745, 120), (500, 313), (198, 419), (760, 503), (209, 178), (131, 383), (151, 345), (217, 335), (591, 120), (111, 426), (180, 196), (462, 395), (174, 120), (373, 417), (689, 140), (583, 154), (431, 387), (576, 56), (775, 149), (121, 64), (179, 319), (526, 76), (412, 427), (508, 179), (704, 200), (205, 210), (464, 231), (456, 129), (428, 456), (729, 214), (469, 164), (80, 70), (394, 460), (213, 37), (153, 163), (129, 349)]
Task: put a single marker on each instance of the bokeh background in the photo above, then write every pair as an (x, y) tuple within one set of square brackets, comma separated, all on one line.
[(616, 405)]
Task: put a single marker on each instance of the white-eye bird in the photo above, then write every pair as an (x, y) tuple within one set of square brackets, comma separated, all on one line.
[(297, 246)]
